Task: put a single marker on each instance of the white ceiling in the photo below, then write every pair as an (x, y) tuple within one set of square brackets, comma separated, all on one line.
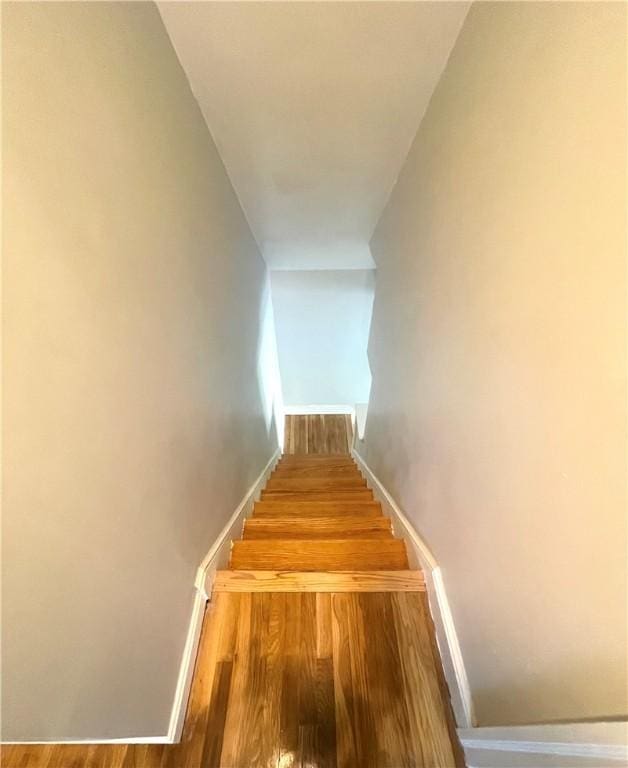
[(313, 107)]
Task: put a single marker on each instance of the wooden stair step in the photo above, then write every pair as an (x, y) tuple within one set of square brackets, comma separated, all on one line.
[(314, 483), (295, 463), (324, 471), (346, 527), (304, 509), (314, 457), (340, 494), (323, 555), (319, 581)]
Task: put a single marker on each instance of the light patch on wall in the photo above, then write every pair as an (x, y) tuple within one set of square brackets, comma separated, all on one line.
[(323, 319), (268, 375)]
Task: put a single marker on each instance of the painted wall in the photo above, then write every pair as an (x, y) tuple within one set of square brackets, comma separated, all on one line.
[(313, 107), (134, 418), (498, 350), (322, 320)]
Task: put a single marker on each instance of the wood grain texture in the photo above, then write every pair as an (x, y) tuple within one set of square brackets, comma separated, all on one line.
[(322, 483), (318, 434), (305, 509), (339, 494), (327, 555), (321, 582), (347, 527), (318, 470), (313, 460)]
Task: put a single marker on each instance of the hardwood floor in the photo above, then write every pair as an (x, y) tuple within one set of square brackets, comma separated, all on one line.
[(318, 434), (322, 483), (317, 648), (297, 683)]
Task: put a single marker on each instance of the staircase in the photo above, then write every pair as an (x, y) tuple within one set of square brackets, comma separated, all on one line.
[(316, 514)]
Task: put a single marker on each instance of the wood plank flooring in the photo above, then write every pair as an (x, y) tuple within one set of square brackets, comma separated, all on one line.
[(317, 648), (299, 684), (318, 434)]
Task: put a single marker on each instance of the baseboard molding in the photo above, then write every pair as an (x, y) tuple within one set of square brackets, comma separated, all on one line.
[(217, 558), (186, 670), (300, 410), (567, 745), (447, 639)]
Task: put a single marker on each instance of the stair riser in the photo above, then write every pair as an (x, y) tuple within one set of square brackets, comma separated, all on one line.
[(343, 464), (339, 495), (316, 457), (329, 555), (318, 528), (315, 484), (305, 472), (305, 509)]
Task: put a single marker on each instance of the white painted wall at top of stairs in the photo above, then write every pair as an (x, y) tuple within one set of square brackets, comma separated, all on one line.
[(322, 319)]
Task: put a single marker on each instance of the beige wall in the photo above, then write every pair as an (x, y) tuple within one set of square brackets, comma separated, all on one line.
[(133, 422), (498, 415)]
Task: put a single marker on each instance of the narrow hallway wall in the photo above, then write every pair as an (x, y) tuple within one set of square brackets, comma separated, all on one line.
[(323, 319), (498, 351), (133, 292)]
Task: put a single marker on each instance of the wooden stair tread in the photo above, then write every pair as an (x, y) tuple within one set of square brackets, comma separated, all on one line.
[(333, 471), (319, 555), (315, 483), (314, 457), (305, 509), (341, 494), (319, 465), (347, 527), (319, 581)]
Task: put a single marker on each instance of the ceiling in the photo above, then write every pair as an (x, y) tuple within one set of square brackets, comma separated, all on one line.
[(313, 107)]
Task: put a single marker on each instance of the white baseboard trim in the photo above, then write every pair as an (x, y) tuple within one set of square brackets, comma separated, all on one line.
[(299, 410), (186, 670), (565, 745), (216, 558), (447, 639)]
